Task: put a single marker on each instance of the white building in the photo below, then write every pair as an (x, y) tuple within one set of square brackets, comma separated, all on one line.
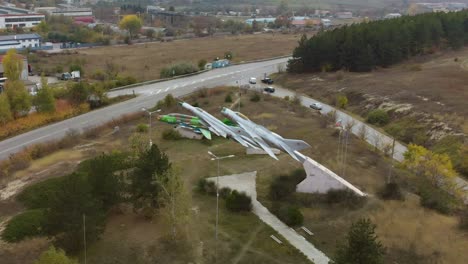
[(20, 41), (392, 15), (20, 20), (344, 15)]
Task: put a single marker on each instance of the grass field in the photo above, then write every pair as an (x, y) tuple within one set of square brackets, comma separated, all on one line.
[(410, 233), (145, 61)]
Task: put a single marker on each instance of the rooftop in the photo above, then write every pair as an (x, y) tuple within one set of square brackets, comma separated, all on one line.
[(19, 37)]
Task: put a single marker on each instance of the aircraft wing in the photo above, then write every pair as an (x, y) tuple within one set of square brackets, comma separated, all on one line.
[(259, 141)]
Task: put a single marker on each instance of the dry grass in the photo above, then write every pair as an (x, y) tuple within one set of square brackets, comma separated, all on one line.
[(145, 61), (439, 86), (402, 226)]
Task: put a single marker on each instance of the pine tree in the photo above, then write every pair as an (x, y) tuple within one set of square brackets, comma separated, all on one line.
[(361, 245)]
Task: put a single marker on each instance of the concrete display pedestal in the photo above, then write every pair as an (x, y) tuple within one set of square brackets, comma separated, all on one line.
[(186, 133), (320, 180)]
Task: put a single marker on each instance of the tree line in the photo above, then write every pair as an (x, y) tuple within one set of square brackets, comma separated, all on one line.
[(362, 47)]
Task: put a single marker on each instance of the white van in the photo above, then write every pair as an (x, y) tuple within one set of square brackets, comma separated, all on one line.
[(253, 80)]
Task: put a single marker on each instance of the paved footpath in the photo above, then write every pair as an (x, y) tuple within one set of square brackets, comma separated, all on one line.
[(245, 182)]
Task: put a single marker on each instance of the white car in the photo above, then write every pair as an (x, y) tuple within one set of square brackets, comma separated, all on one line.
[(253, 80), (316, 106)]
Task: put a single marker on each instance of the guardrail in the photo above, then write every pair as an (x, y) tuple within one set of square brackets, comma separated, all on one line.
[(190, 74)]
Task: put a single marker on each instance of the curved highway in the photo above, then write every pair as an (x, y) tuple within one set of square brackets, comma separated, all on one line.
[(148, 96)]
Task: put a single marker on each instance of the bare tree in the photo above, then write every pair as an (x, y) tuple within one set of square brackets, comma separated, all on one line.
[(175, 201)]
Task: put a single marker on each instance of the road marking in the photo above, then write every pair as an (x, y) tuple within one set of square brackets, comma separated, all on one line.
[(167, 89), (31, 141), (276, 239), (158, 91)]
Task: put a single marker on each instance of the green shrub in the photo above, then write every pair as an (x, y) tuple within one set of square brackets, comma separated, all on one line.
[(201, 64), (171, 134), (238, 201), (178, 69), (378, 117), (288, 214), (437, 199), (346, 198), (40, 194), (255, 97), (391, 191), (25, 225), (408, 130), (142, 128), (201, 185), (228, 98), (224, 192), (342, 101), (284, 185)]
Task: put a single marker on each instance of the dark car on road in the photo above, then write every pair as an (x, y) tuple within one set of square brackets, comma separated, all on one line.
[(267, 80), (269, 90)]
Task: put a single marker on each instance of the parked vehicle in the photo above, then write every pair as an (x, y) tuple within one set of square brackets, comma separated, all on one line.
[(316, 106), (269, 89), (267, 80), (74, 75), (253, 80)]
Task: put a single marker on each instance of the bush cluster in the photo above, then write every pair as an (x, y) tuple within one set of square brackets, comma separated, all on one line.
[(178, 69), (378, 117), (238, 201), (142, 128), (255, 97), (437, 199), (391, 191), (285, 185), (171, 134), (25, 225), (289, 214)]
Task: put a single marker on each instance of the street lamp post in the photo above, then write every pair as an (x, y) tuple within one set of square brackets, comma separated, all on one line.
[(150, 113), (214, 157)]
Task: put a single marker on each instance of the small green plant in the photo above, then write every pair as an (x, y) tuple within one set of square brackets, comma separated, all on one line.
[(24, 225), (289, 214), (342, 101), (391, 191), (201, 64), (142, 128), (255, 97), (238, 202), (378, 117), (171, 134), (228, 98)]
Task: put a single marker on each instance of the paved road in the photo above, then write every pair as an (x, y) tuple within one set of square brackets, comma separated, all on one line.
[(245, 182), (149, 95)]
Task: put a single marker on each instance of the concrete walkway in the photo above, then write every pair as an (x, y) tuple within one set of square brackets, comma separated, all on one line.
[(245, 182)]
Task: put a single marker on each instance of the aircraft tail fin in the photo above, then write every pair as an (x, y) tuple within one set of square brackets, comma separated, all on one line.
[(296, 144)]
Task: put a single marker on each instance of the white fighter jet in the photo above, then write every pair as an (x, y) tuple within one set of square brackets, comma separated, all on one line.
[(264, 137)]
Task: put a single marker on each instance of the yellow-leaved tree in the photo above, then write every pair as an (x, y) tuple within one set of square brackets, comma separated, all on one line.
[(437, 168), (131, 23)]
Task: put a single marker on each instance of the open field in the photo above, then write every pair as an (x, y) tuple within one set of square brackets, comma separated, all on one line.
[(404, 227), (145, 61), (436, 84)]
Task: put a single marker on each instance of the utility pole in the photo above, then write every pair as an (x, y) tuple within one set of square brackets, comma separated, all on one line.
[(217, 199), (84, 237), (150, 122), (389, 178)]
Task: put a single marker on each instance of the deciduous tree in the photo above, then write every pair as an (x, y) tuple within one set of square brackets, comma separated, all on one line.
[(12, 65), (18, 97), (5, 112), (131, 23), (54, 256), (45, 101)]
